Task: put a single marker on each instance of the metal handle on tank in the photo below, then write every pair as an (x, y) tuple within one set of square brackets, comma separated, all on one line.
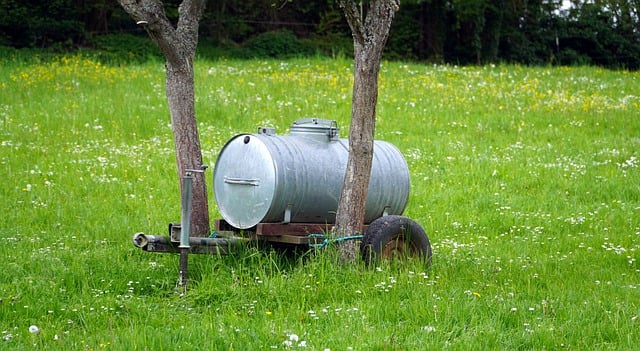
[(332, 130), (242, 181)]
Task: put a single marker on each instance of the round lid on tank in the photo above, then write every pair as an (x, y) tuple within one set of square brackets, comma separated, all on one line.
[(244, 181), (315, 127)]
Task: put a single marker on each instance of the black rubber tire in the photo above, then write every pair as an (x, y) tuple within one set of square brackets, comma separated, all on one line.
[(394, 236)]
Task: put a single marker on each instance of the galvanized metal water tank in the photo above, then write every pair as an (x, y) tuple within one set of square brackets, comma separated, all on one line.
[(298, 177)]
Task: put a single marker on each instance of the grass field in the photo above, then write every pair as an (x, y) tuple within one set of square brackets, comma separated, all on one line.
[(527, 181)]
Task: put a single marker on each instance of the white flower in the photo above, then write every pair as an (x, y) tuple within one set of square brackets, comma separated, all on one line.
[(429, 328), (293, 337), (34, 329)]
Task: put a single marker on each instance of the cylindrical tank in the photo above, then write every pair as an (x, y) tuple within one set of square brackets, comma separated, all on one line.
[(298, 177)]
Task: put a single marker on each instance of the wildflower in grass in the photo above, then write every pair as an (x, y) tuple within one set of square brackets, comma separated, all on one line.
[(527, 328), (294, 340), (34, 329), (382, 286)]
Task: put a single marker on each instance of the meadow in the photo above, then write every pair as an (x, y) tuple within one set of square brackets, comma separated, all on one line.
[(526, 180)]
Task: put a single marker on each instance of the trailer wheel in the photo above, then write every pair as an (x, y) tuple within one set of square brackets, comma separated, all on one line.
[(394, 236)]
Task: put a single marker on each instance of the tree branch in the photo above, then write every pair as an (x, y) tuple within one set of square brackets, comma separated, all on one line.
[(151, 15), (190, 12), (353, 17), (378, 21)]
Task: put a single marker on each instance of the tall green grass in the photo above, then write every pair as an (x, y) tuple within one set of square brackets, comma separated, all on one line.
[(526, 179)]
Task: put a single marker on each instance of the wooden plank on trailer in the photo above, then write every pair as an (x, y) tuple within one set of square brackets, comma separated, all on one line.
[(285, 239), (292, 229)]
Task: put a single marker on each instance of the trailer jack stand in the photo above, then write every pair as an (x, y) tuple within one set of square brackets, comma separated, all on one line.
[(187, 200)]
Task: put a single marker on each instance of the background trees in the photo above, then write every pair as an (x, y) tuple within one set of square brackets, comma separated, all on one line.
[(602, 32)]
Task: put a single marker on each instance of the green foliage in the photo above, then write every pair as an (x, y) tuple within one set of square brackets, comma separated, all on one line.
[(125, 48), (526, 180), (403, 36), (602, 33), (210, 51), (277, 44), (599, 37), (332, 44), (40, 24)]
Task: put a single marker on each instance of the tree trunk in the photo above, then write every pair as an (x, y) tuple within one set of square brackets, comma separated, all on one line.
[(178, 45), (180, 95), (369, 40)]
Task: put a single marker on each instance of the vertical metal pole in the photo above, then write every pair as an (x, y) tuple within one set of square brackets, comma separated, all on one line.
[(185, 227)]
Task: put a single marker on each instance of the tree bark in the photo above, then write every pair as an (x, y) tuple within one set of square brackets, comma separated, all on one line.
[(178, 46), (369, 39)]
